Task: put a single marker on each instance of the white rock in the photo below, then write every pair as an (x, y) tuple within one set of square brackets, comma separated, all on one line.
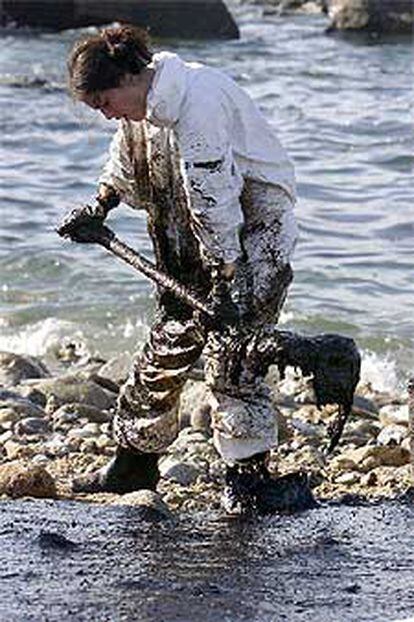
[(307, 396), (392, 435), (6, 436), (195, 406), (293, 383), (83, 433), (394, 413), (56, 446), (40, 460), (103, 441), (348, 479), (92, 427)]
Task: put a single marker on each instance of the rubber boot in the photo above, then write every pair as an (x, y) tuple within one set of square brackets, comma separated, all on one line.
[(250, 489), (129, 470), (242, 481), (285, 495)]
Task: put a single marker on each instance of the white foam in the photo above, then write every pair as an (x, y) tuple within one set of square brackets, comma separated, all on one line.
[(37, 339), (137, 329), (380, 371), (285, 317)]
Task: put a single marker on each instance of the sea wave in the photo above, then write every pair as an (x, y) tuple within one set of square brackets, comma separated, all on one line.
[(39, 338), (43, 338), (380, 372)]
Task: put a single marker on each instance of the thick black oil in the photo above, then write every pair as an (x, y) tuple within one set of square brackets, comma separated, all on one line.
[(75, 561)]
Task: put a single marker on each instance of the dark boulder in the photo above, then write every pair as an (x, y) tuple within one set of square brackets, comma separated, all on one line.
[(189, 19), (378, 16)]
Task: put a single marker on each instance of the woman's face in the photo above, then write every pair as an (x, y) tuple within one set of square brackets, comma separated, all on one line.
[(126, 101)]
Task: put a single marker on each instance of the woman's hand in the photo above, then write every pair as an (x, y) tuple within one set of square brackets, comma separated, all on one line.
[(81, 225)]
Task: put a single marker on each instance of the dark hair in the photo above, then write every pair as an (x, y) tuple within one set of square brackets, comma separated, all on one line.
[(99, 62)]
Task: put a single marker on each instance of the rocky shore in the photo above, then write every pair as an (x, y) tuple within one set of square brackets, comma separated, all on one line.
[(55, 423), (388, 17)]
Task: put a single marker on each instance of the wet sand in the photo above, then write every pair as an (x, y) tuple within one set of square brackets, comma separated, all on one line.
[(64, 560)]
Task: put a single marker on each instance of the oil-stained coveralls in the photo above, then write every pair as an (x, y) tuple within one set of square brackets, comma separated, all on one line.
[(218, 188)]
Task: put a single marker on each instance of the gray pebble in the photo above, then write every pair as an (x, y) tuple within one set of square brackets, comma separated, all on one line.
[(31, 425), (180, 472), (40, 460)]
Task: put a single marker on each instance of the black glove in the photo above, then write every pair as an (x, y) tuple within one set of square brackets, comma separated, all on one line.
[(82, 224)]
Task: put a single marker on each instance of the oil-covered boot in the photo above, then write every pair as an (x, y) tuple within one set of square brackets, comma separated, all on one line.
[(285, 495), (129, 470), (243, 480), (251, 489)]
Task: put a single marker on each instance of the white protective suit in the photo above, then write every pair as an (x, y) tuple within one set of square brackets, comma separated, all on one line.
[(227, 151)]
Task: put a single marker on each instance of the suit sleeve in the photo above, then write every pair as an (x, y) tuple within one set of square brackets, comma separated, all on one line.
[(119, 170)]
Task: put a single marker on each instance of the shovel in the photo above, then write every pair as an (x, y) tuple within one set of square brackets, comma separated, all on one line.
[(86, 229)]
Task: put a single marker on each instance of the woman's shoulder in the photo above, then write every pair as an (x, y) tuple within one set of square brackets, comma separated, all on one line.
[(208, 84)]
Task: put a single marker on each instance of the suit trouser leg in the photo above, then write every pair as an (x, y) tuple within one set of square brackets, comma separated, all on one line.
[(146, 418), (243, 417)]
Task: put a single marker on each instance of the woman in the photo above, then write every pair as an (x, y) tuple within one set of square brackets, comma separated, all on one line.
[(193, 150)]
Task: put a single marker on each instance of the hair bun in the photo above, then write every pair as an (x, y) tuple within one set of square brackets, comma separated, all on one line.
[(127, 45), (116, 46)]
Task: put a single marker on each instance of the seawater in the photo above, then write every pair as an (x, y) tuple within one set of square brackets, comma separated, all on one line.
[(340, 107)]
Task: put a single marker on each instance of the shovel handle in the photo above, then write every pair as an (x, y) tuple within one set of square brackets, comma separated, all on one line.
[(106, 238)]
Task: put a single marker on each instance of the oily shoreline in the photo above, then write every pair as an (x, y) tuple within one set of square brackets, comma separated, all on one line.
[(55, 425)]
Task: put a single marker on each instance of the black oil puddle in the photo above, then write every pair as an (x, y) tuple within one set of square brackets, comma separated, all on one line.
[(73, 561)]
